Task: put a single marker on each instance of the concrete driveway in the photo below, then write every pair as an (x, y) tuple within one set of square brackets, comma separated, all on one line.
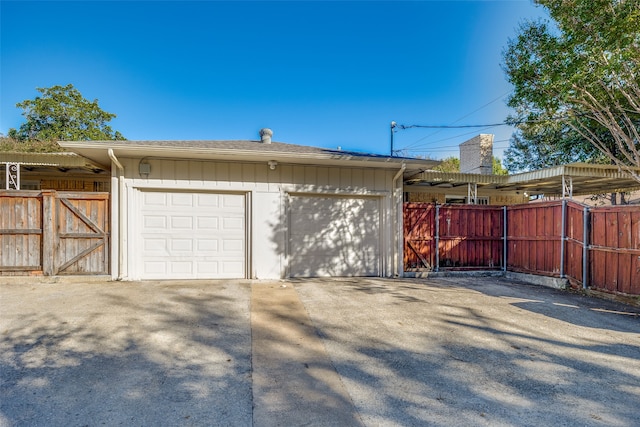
[(373, 352)]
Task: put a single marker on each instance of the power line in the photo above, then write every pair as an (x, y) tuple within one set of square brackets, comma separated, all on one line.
[(444, 139), (489, 125), (464, 117), (451, 126)]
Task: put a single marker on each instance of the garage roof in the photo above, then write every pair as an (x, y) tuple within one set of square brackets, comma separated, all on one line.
[(239, 150), (579, 178)]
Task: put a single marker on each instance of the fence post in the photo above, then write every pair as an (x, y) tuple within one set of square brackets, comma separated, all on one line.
[(437, 240), (585, 248), (504, 238), (563, 234), (48, 232)]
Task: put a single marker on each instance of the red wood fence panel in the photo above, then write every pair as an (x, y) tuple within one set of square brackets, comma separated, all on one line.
[(534, 238), (419, 236), (615, 249), (470, 236), (467, 236)]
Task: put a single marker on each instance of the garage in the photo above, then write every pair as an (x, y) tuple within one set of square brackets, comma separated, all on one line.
[(191, 235), (251, 209), (334, 236)]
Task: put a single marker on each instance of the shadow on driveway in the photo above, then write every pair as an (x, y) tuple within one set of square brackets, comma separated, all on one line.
[(125, 354), (442, 352), (478, 352)]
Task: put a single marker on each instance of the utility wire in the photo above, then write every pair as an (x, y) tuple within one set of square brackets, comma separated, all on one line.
[(464, 117), (452, 126), (413, 147), (488, 125)]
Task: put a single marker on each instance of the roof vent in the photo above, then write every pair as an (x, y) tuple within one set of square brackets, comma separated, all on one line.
[(265, 135)]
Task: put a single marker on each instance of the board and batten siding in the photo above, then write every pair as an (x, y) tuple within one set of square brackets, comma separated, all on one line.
[(267, 192)]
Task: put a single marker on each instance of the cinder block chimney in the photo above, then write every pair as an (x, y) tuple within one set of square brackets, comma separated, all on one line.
[(476, 155), (265, 135)]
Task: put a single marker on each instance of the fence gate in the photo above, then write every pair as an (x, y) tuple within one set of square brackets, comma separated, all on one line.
[(419, 236), (81, 237), (54, 233)]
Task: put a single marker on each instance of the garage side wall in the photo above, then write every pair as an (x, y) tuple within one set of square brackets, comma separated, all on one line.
[(266, 194)]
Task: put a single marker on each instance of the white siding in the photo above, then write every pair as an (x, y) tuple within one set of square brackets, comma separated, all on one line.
[(266, 192)]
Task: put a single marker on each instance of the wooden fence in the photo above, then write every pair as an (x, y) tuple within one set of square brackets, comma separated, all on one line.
[(596, 247), (54, 233), (466, 236)]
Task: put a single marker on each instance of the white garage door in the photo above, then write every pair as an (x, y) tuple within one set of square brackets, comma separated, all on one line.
[(334, 236), (191, 235)]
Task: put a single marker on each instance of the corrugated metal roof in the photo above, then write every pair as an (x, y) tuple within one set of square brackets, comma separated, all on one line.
[(584, 179), (60, 160)]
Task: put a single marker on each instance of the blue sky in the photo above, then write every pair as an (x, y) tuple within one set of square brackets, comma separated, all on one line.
[(326, 74)]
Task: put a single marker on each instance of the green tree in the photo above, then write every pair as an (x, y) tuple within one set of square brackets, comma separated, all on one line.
[(62, 113), (576, 85), (497, 168), (452, 164)]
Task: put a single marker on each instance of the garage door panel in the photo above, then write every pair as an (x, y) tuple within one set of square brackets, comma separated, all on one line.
[(192, 235), (184, 268), (154, 222), (181, 245), (181, 222), (207, 222), (209, 245), (233, 223), (232, 202), (208, 200), (154, 199), (334, 236), (208, 267)]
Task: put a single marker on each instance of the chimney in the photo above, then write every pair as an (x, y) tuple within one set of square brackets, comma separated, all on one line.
[(476, 155), (265, 135)]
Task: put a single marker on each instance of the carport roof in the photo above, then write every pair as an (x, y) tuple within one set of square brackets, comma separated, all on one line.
[(62, 161), (581, 178), (239, 150)]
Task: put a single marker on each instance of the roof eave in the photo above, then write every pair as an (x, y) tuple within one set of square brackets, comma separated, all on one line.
[(98, 152)]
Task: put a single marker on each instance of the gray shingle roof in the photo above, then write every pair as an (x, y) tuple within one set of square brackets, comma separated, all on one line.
[(245, 145)]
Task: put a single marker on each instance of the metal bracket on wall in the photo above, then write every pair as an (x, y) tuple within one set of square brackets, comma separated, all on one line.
[(567, 187), (472, 193), (12, 176)]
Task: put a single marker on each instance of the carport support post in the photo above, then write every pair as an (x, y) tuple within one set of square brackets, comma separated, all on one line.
[(563, 236), (437, 240), (585, 248), (504, 238)]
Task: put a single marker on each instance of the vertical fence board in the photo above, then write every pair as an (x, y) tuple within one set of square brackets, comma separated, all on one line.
[(574, 243), (634, 281), (624, 260), (611, 241)]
